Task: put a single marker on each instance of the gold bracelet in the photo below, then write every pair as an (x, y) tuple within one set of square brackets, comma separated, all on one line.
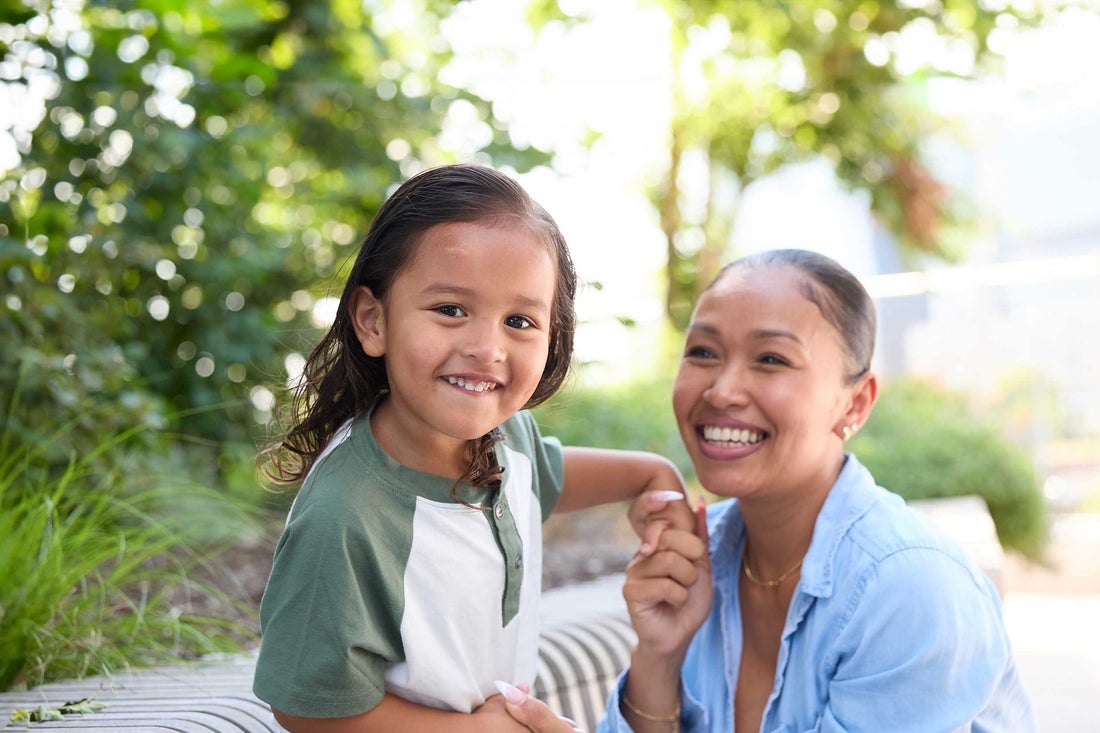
[(673, 717)]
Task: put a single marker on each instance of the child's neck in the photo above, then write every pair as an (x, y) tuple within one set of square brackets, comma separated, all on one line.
[(438, 454)]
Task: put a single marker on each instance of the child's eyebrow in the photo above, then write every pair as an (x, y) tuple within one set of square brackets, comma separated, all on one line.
[(443, 289)]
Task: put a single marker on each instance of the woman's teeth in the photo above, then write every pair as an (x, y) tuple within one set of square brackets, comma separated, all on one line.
[(734, 436)]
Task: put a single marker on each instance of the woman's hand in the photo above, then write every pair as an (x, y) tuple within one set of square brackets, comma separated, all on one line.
[(534, 714), (668, 585)]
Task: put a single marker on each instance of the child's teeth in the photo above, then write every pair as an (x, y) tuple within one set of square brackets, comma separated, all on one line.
[(471, 386)]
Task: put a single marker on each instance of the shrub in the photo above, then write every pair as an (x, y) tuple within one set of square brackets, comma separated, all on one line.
[(95, 573), (923, 441)]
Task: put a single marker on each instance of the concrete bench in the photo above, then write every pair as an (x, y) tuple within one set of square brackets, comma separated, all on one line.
[(586, 643)]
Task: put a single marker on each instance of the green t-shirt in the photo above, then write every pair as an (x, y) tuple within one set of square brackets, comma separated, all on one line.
[(384, 583)]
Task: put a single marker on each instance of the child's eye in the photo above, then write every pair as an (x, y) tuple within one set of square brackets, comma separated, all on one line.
[(773, 360), (453, 311), (518, 322)]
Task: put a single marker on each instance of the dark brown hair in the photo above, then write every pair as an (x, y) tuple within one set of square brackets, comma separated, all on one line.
[(341, 382), (841, 298)]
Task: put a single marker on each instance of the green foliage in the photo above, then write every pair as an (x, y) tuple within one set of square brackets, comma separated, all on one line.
[(95, 570), (759, 85), (923, 441), (200, 175)]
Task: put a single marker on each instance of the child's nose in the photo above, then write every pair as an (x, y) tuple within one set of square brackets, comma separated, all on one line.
[(484, 342)]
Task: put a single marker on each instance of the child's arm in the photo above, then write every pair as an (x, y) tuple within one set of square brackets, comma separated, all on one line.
[(596, 476), (397, 714)]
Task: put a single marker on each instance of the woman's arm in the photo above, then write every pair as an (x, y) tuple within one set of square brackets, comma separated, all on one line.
[(924, 648), (397, 714), (668, 595)]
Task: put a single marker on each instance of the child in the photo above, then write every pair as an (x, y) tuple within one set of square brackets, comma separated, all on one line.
[(407, 578)]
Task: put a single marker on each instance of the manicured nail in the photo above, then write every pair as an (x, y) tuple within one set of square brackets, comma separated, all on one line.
[(668, 495), (511, 693)]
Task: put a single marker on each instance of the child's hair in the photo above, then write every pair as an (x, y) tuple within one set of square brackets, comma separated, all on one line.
[(841, 298), (341, 382)]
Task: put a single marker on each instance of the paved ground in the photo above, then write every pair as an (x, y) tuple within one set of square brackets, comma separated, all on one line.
[(1053, 617)]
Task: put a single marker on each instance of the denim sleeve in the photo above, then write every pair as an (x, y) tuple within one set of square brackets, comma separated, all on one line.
[(923, 648), (693, 715)]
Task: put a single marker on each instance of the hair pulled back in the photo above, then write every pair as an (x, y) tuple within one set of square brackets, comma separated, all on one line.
[(843, 301), (340, 381)]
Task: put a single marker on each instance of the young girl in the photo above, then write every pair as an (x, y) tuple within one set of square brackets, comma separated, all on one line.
[(407, 578)]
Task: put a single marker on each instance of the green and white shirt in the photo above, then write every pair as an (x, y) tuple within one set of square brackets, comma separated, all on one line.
[(382, 582)]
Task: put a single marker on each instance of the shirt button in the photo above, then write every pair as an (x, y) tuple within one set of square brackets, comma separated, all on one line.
[(499, 511), (519, 561)]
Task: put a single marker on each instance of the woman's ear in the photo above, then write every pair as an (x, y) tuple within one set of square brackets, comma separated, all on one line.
[(864, 394), (369, 320)]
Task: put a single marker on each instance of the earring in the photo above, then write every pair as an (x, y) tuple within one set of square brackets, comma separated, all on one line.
[(849, 430)]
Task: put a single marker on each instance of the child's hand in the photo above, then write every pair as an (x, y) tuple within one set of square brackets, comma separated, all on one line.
[(653, 511)]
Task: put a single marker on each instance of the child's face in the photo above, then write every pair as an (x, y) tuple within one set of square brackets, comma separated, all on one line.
[(761, 391), (465, 331)]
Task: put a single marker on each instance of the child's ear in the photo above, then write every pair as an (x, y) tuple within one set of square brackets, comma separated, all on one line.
[(369, 321)]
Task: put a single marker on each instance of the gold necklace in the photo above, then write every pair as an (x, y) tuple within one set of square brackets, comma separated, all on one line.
[(769, 583)]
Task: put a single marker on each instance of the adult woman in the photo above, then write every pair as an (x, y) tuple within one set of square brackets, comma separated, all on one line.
[(826, 604)]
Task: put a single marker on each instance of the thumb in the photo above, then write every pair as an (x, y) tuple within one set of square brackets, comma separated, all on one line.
[(701, 529), (533, 713)]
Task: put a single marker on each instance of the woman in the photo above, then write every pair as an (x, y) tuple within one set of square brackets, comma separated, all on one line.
[(825, 604)]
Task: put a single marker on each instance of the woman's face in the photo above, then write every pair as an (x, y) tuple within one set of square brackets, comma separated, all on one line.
[(761, 396)]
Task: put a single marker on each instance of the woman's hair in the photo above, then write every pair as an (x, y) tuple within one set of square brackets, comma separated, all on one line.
[(341, 382), (841, 298)]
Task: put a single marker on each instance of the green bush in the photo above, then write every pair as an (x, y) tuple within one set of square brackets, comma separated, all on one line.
[(923, 441), (96, 572)]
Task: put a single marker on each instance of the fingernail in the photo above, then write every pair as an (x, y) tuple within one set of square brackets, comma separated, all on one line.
[(644, 549), (668, 495), (511, 693)]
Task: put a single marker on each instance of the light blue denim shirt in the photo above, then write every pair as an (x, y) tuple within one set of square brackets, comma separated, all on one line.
[(891, 629)]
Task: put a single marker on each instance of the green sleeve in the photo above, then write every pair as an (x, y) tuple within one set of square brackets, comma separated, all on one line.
[(547, 463), (330, 617)]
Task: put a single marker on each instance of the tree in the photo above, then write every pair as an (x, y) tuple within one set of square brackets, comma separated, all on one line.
[(760, 85), (184, 179), (766, 84)]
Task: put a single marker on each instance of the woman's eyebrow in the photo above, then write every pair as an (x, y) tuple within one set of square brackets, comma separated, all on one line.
[(776, 333)]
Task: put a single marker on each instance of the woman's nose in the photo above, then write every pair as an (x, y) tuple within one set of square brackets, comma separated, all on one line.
[(728, 387)]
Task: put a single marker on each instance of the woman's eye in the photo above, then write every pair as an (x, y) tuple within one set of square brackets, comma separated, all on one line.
[(773, 360), (518, 322), (698, 352), (453, 311)]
